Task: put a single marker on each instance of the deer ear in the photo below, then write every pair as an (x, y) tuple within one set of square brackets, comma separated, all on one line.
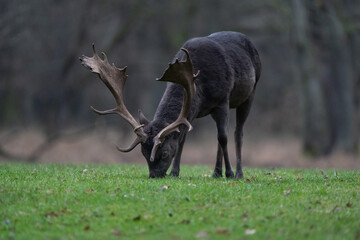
[(142, 118)]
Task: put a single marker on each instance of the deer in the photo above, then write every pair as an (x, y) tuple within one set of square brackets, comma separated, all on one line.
[(208, 76)]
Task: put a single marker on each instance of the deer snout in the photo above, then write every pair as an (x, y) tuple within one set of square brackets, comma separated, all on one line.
[(157, 174)]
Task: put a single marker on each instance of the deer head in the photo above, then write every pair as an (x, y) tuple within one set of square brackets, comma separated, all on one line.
[(159, 145)]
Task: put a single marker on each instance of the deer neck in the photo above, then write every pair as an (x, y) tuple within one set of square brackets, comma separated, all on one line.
[(170, 105)]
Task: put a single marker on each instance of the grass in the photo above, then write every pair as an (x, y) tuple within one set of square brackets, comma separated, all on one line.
[(119, 201)]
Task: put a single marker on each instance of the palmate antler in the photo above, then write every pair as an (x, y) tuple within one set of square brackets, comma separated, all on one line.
[(180, 73), (114, 78)]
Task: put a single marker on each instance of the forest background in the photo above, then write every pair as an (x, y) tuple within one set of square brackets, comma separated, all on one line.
[(307, 106)]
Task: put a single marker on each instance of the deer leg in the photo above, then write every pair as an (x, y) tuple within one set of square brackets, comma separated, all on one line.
[(175, 170), (218, 166), (221, 118), (241, 114)]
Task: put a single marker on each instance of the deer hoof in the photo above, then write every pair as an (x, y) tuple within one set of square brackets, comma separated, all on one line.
[(174, 174), (239, 175), (217, 174), (229, 174)]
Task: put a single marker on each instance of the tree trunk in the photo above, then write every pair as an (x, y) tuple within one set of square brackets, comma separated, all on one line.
[(337, 80), (326, 80), (311, 96)]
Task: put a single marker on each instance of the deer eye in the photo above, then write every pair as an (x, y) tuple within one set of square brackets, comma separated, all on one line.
[(165, 155)]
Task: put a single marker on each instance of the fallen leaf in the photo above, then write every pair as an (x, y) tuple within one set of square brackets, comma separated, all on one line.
[(87, 228), (222, 231), (112, 214), (65, 210), (247, 180), (300, 179), (52, 213), (35, 171), (90, 191), (324, 174), (252, 178), (349, 204), (267, 173), (337, 208), (22, 213), (287, 192), (250, 231), (202, 234), (164, 187)]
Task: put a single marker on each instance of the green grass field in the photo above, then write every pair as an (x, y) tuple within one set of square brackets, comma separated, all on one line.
[(119, 201)]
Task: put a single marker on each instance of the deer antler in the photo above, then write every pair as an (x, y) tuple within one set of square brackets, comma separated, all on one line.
[(180, 73), (114, 78)]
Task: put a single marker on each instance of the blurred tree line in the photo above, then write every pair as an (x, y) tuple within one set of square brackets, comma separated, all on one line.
[(310, 84)]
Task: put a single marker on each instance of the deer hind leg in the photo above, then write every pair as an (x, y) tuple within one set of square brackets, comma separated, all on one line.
[(220, 116), (241, 114)]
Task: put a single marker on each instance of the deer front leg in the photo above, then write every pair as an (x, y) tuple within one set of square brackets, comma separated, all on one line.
[(220, 116), (175, 170)]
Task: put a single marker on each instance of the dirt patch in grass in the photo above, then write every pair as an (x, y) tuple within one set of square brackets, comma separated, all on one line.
[(99, 147)]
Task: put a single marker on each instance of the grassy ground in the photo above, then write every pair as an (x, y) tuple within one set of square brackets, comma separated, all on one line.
[(112, 201)]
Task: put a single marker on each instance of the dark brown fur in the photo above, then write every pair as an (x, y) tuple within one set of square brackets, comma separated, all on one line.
[(230, 68)]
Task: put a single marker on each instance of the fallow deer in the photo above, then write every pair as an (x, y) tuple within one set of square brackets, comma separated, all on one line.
[(208, 76)]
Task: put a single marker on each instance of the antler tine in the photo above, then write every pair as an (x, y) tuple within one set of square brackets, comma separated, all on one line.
[(132, 146), (180, 73), (93, 48), (105, 57), (114, 78)]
